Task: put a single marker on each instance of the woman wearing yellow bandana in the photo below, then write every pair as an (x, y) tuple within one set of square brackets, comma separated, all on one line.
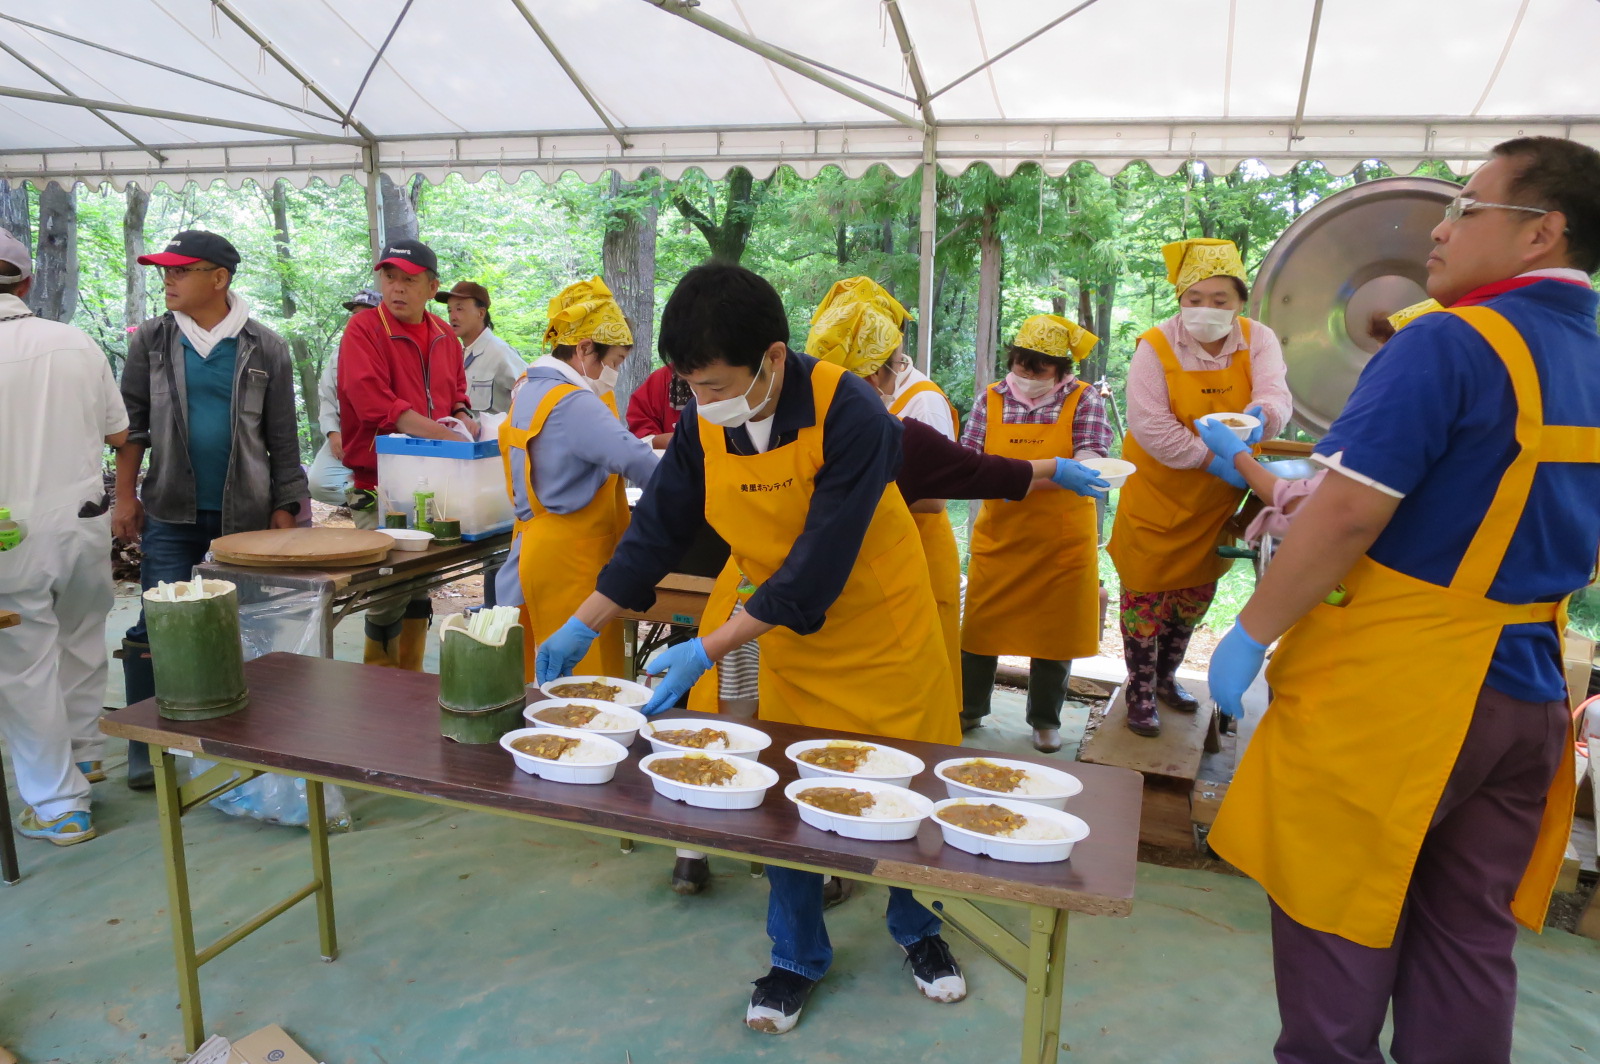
[(1033, 584), (565, 455), (1206, 359)]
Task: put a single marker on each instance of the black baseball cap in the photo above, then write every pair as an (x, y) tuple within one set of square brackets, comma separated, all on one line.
[(195, 245), (412, 256)]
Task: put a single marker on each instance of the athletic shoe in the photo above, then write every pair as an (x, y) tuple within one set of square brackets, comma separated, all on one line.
[(937, 974), (776, 1003), (92, 771), (690, 875), (836, 891), (68, 829)]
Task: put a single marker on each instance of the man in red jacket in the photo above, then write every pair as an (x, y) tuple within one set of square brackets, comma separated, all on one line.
[(400, 370)]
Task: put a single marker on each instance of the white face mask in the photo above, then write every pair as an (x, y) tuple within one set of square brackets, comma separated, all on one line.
[(607, 380), (731, 413), (1207, 324), (1029, 388)]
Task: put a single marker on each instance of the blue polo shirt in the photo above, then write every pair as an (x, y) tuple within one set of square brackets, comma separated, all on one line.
[(209, 384), (1433, 417)]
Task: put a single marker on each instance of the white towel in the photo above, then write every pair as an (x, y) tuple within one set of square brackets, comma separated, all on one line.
[(204, 340)]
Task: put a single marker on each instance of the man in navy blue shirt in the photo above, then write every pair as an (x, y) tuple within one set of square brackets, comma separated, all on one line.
[(1407, 798)]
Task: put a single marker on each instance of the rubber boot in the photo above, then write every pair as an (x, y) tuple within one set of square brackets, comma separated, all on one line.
[(138, 684), (1140, 691), (382, 647), (1172, 642), (413, 645)]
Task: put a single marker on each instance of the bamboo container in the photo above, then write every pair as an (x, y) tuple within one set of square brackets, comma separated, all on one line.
[(195, 652), (481, 686)]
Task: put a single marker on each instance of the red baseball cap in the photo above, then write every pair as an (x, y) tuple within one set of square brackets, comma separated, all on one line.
[(412, 256)]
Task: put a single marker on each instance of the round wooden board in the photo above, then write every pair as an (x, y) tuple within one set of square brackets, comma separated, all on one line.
[(307, 547), (247, 562)]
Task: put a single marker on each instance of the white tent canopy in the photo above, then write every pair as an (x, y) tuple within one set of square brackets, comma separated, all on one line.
[(173, 90)]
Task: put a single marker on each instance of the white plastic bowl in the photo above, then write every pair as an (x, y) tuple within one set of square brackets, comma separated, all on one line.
[(562, 771), (624, 736), (1113, 471), (1022, 851), (1251, 423), (873, 829), (408, 538), (810, 771), (709, 797), (1069, 784), (633, 695), (747, 741)]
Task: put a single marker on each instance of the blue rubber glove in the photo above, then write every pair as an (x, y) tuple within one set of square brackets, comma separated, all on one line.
[(1078, 478), (1220, 439), (1223, 469), (1255, 433), (1234, 666), (560, 654), (681, 666)]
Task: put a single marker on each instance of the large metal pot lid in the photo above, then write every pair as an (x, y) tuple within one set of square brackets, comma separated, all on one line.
[(1359, 253)]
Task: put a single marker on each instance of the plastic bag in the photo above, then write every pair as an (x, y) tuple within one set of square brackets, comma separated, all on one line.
[(276, 799)]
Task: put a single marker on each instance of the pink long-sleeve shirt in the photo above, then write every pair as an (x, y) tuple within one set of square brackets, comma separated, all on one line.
[(1150, 414)]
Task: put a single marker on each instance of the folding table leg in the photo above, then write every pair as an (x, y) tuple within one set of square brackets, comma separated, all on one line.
[(321, 868), (9, 870), (169, 809), (1047, 958)]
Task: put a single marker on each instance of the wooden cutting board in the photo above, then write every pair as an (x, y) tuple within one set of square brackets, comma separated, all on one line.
[(302, 547)]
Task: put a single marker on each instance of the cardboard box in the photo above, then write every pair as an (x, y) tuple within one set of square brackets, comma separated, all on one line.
[(270, 1045)]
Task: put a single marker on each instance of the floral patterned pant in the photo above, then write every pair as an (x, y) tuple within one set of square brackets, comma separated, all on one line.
[(1156, 626)]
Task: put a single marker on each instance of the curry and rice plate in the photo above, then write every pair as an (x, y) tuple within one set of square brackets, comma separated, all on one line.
[(1000, 822), (575, 715), (1002, 779), (594, 689), (859, 759), (693, 738), (553, 747), (846, 801), (699, 770)]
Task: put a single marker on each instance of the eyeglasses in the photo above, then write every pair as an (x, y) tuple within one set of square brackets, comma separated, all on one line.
[(900, 363), (1461, 206), (173, 271)]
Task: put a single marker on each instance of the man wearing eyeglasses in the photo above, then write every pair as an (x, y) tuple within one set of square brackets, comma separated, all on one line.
[(210, 394), (1406, 801)]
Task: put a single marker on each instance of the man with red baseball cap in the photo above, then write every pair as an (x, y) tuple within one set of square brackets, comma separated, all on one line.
[(400, 370), (210, 394)]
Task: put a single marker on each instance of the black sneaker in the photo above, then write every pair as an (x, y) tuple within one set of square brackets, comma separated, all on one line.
[(690, 875), (837, 891), (776, 1003), (937, 974)]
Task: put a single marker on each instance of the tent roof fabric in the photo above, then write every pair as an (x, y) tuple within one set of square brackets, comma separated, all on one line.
[(173, 90)]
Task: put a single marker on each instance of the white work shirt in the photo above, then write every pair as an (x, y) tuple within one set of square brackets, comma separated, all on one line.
[(58, 403), (328, 396), (493, 367), (930, 408)]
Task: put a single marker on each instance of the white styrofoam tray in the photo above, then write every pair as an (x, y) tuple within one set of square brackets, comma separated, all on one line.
[(810, 771), (625, 736), (748, 742), (709, 797), (1024, 851), (1068, 785), (633, 695), (873, 829), (563, 771)]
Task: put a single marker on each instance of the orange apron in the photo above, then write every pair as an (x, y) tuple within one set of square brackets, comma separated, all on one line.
[(705, 695), (1033, 574), (918, 388), (560, 555), (877, 665), (1371, 703), (1169, 521)]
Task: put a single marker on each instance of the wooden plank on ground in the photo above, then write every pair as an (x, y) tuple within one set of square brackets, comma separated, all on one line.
[(1174, 754)]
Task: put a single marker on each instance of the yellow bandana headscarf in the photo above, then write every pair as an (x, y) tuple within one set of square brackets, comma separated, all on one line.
[(858, 336), (857, 326), (1194, 260), (1058, 337), (1406, 315), (587, 311)]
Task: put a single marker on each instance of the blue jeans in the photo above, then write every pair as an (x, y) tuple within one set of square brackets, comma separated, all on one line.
[(171, 552), (799, 937)]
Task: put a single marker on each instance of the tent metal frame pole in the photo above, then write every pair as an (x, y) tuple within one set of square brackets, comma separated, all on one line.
[(684, 10), (271, 49), (928, 213), (993, 59), (172, 116), (376, 231), (1305, 73), (572, 74), (36, 27), (59, 87), (377, 57)]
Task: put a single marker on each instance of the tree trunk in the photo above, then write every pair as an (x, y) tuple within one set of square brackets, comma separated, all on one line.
[(841, 243), (308, 369), (989, 263), (399, 209), (14, 213), (55, 287), (628, 263), (136, 304), (726, 239)]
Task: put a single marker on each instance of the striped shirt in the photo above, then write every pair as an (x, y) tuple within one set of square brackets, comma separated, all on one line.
[(1091, 430)]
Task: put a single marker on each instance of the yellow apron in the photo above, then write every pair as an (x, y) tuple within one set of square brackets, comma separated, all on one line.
[(1371, 703), (705, 695), (918, 388), (561, 555), (877, 665), (1169, 521), (1033, 574)]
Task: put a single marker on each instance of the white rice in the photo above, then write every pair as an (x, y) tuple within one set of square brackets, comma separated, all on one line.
[(1038, 829), (585, 753), (886, 806), (882, 763), (1034, 784), (604, 721), (745, 774)]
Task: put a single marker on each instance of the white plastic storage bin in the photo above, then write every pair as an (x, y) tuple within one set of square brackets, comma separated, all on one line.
[(468, 482)]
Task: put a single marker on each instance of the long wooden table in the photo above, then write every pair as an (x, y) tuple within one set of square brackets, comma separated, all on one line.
[(377, 729)]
